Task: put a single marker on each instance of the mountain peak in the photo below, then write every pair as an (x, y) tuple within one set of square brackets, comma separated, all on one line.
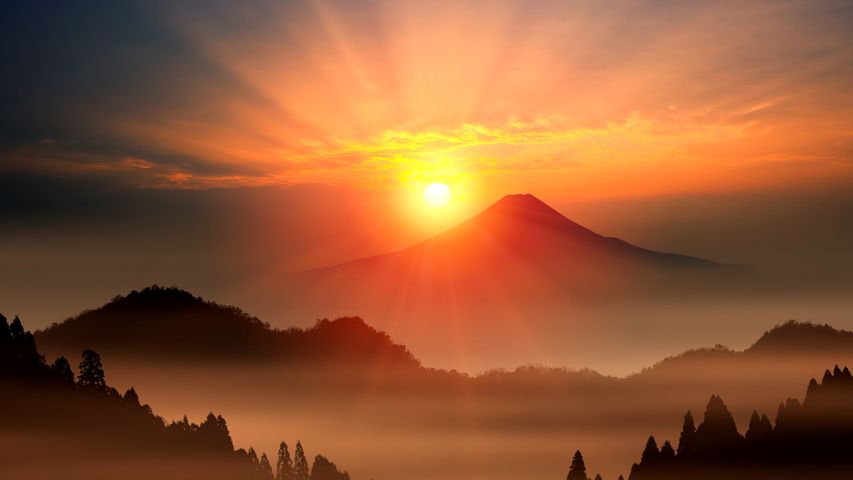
[(524, 205), (523, 201)]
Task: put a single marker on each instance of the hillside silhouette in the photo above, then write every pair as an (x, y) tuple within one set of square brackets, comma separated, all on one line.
[(807, 440), (503, 406), (788, 340), (89, 430), (169, 323)]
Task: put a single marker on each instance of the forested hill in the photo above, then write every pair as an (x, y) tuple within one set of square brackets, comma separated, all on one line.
[(169, 323)]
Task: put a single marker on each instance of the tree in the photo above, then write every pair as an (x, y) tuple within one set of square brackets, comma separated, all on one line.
[(5, 333), (577, 470), (16, 329), (216, 434), (253, 456), (131, 398), (300, 464), (265, 467), (666, 452), (284, 465), (688, 432), (598, 476), (323, 469), (62, 370), (91, 372), (651, 454)]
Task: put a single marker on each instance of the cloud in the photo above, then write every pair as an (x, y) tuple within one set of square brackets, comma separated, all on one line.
[(172, 95)]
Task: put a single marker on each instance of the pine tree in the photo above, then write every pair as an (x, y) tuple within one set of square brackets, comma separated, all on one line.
[(577, 470), (17, 330), (323, 469), (300, 464), (688, 432), (651, 454), (62, 370), (284, 465), (91, 376), (666, 452), (131, 398), (598, 476), (265, 467)]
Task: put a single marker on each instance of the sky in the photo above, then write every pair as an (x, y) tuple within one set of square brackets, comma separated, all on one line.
[(200, 143)]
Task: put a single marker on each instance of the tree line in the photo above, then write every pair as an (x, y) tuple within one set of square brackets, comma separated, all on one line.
[(49, 399), (808, 440)]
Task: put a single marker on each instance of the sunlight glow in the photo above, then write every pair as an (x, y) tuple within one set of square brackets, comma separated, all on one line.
[(437, 195)]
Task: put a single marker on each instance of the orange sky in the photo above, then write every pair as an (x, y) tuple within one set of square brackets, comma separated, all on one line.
[(570, 100)]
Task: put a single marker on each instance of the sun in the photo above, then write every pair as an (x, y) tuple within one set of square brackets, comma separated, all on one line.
[(437, 195)]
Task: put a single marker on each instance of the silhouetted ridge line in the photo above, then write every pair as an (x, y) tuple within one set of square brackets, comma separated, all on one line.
[(163, 322), (535, 232), (802, 336), (790, 338)]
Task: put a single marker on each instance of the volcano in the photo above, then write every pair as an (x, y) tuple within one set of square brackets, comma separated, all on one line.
[(520, 244), (519, 250), (523, 229), (519, 271)]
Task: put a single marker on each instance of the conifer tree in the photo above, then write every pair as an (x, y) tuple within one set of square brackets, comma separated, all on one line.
[(131, 398), (666, 452), (300, 464), (91, 372), (265, 467), (284, 465), (688, 432), (577, 470), (17, 330), (62, 369), (651, 454)]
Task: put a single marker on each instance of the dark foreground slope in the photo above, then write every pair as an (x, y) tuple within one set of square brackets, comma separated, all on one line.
[(811, 439), (55, 427)]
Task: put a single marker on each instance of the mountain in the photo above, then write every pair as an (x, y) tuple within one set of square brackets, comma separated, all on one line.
[(511, 277), (169, 323), (526, 228)]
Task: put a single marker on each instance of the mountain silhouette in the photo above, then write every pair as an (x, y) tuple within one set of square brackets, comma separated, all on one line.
[(170, 323), (523, 228), (518, 255)]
